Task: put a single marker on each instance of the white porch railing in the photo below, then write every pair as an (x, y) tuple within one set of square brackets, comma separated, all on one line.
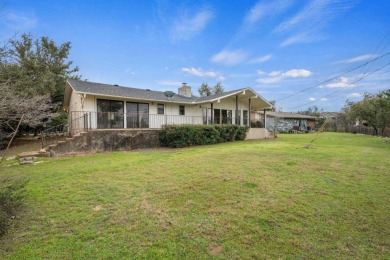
[(79, 121)]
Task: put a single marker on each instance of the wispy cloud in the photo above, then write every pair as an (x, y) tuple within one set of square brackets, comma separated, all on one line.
[(198, 72), (229, 57), (187, 25), (262, 9), (277, 76), (316, 12), (360, 58), (18, 21), (261, 59), (315, 15)]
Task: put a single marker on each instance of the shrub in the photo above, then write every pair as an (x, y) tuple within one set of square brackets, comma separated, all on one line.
[(188, 135), (257, 124), (11, 200), (241, 133)]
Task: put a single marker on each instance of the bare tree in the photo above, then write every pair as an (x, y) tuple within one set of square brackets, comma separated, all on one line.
[(26, 110)]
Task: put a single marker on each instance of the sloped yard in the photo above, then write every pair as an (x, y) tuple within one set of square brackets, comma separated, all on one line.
[(251, 199)]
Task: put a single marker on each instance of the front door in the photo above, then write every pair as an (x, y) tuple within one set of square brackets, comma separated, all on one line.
[(137, 115)]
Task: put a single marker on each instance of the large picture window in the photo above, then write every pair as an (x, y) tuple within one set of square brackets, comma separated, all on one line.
[(109, 114), (222, 116), (137, 115)]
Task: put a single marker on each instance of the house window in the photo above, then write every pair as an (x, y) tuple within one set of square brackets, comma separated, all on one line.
[(160, 109), (182, 110), (109, 114), (245, 117)]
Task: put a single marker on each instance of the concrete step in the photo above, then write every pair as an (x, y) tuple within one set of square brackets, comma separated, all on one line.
[(34, 154)]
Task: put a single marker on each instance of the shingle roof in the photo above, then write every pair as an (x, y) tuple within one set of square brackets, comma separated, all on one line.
[(287, 115), (120, 91)]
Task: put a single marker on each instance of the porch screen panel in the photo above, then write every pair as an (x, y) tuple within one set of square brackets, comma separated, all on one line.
[(117, 114), (137, 115), (132, 115), (226, 116), (217, 116), (103, 109), (109, 114), (238, 117), (245, 117), (143, 115), (204, 115)]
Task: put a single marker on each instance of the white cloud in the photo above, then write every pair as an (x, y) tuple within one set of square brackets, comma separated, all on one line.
[(355, 95), (277, 76), (263, 9), (323, 99), (169, 83), (342, 83), (229, 57), (312, 99), (297, 73), (188, 25), (202, 73), (261, 59)]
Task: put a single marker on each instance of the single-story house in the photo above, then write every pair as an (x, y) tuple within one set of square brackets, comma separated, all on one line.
[(103, 106), (285, 121)]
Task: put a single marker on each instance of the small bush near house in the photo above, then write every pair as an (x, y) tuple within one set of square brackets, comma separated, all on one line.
[(241, 133), (11, 199), (188, 135)]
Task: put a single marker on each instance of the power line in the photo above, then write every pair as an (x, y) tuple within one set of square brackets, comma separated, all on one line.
[(376, 49), (361, 78), (342, 74)]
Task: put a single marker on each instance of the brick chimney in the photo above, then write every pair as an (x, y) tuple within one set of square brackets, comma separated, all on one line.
[(185, 90)]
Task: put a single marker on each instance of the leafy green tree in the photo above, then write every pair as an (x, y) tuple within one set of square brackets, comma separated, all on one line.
[(204, 90), (33, 72), (37, 67), (374, 110), (218, 88)]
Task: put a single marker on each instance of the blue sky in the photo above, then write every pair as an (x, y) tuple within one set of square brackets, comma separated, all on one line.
[(275, 47)]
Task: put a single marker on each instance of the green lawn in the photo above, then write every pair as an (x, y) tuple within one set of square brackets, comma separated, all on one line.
[(242, 200)]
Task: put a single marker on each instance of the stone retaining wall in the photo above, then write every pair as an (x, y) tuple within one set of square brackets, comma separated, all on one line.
[(107, 140)]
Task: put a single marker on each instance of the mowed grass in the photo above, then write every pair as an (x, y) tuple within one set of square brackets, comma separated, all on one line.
[(251, 199)]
